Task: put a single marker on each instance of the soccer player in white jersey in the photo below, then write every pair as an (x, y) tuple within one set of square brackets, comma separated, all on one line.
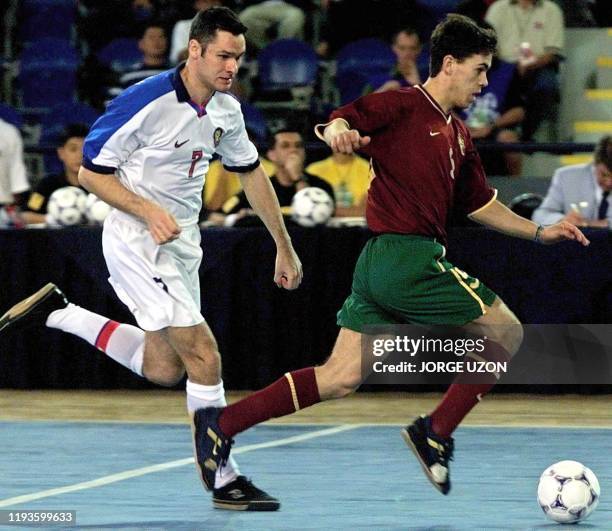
[(147, 157)]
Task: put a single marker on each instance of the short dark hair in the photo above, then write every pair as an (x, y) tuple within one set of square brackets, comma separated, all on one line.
[(460, 37), (286, 129), (408, 30), (206, 24), (603, 152), (73, 130), (152, 24)]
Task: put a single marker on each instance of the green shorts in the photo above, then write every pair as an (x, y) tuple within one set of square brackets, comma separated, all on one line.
[(405, 279)]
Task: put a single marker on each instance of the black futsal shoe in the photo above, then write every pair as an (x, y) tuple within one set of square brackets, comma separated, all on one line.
[(34, 310), (242, 495), (432, 451), (212, 446)]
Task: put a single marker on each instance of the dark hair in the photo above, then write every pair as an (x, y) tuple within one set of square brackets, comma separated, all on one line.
[(74, 130), (206, 24), (460, 37), (152, 24), (289, 128), (408, 30), (603, 152)]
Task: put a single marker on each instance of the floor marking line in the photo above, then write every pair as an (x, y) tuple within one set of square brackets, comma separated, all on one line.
[(136, 472)]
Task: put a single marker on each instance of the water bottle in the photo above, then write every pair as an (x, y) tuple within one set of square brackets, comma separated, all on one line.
[(344, 197)]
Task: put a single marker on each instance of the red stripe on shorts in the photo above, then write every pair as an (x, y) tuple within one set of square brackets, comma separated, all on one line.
[(105, 334)]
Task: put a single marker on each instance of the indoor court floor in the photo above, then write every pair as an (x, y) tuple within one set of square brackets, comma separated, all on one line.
[(122, 460)]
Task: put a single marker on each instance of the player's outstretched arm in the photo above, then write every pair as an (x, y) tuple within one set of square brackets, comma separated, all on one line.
[(161, 223), (338, 135), (261, 196), (499, 217)]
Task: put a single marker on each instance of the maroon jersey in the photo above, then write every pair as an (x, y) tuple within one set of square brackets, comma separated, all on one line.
[(424, 162)]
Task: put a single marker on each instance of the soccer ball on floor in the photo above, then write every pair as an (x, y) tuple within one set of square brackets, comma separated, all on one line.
[(96, 210), (311, 206), (67, 206), (568, 492)]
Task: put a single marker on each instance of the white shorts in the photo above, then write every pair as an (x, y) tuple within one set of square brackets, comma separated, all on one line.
[(158, 283)]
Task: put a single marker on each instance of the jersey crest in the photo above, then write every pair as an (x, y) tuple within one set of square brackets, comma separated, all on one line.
[(217, 136), (461, 144)]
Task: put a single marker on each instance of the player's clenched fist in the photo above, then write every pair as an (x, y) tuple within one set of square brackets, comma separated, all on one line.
[(348, 141), (161, 224)]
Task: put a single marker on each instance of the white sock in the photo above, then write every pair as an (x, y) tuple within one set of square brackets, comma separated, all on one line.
[(122, 342), (200, 396)]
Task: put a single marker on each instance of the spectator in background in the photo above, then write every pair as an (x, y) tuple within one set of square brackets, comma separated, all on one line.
[(531, 34), (180, 32), (219, 186), (369, 18), (475, 9), (496, 115), (262, 17), (14, 183), (101, 22), (153, 44), (287, 152), (349, 175), (580, 193), (70, 152), (407, 47)]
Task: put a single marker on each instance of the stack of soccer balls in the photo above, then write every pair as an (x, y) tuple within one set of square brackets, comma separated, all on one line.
[(311, 206), (72, 206), (568, 492)]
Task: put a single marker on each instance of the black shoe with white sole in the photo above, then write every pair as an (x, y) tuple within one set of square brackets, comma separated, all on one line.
[(242, 495), (34, 310)]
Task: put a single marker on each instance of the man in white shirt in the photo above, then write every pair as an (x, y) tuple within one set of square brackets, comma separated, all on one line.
[(13, 178), (531, 34), (147, 156), (580, 193)]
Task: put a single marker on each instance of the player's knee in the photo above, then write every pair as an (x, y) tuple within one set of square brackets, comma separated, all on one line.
[(509, 335), (166, 375)]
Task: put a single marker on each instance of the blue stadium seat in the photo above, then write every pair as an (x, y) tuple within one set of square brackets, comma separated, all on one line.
[(120, 54), (59, 116), (47, 72), (255, 122), (46, 18), (287, 63), (359, 61), (11, 115)]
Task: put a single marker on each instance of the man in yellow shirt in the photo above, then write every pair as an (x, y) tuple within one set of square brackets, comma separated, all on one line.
[(350, 177)]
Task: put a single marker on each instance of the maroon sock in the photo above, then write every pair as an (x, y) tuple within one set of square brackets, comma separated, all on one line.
[(461, 397), (294, 391)]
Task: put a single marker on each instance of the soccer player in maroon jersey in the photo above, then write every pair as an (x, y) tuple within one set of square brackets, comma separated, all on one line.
[(424, 163)]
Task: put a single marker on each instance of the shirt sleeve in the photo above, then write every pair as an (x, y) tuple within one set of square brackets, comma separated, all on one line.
[(19, 179), (552, 208), (237, 152), (555, 36), (113, 137), (372, 112), (472, 191)]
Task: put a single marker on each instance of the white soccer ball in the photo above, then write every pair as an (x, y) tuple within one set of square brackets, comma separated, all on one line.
[(96, 210), (67, 206), (311, 206), (568, 492)]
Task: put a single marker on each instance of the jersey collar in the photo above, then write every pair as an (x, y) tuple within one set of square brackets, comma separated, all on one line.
[(434, 103), (181, 91), (179, 87)]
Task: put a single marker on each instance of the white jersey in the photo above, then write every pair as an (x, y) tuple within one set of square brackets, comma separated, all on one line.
[(13, 179), (160, 143)]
